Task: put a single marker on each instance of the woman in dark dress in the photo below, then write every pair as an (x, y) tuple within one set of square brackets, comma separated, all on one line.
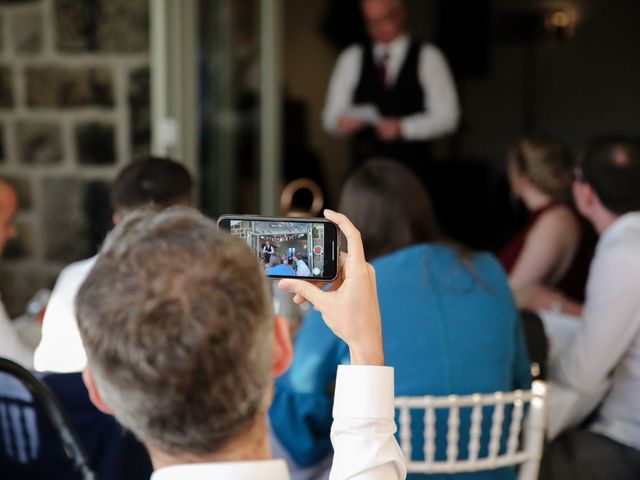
[(555, 247)]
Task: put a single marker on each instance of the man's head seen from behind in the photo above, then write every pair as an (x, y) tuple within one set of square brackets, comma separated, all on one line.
[(150, 181), (179, 332), (608, 178)]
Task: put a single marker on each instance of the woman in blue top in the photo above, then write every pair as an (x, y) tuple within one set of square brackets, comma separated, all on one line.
[(449, 320), (277, 268)]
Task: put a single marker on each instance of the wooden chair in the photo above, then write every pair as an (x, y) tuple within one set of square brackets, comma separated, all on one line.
[(518, 445)]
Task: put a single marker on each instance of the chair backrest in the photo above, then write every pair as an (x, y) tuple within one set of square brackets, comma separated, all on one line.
[(19, 441), (33, 426), (515, 437)]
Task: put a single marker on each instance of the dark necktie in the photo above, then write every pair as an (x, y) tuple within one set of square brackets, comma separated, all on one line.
[(382, 68)]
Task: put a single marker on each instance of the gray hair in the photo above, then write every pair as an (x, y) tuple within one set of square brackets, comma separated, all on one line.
[(176, 320)]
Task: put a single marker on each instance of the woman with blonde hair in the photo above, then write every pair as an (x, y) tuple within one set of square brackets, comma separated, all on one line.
[(554, 248)]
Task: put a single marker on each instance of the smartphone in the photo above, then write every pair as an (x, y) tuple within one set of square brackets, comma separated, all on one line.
[(289, 247)]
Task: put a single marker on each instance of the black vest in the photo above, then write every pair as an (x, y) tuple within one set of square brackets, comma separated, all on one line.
[(405, 97)]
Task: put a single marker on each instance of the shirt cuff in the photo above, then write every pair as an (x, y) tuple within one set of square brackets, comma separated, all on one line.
[(364, 391)]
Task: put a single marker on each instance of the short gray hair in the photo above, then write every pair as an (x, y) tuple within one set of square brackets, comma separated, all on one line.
[(177, 324)]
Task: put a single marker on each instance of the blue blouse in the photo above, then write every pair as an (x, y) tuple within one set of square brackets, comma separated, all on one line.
[(450, 326), (282, 269)]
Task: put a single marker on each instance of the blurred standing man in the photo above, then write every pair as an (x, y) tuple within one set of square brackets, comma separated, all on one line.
[(391, 95), (11, 346)]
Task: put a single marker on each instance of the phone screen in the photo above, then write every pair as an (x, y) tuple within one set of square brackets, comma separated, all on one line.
[(287, 247)]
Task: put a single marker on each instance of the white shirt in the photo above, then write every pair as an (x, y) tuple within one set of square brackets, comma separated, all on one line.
[(60, 349), (11, 346), (302, 270), (607, 343), (441, 99), (362, 436)]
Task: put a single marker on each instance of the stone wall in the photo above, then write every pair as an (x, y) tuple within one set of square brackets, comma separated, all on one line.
[(74, 107)]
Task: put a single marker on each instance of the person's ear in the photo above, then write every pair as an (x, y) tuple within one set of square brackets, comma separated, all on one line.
[(282, 346), (584, 197), (94, 394)]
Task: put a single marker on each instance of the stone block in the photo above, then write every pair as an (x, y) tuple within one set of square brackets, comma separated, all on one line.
[(140, 111), (102, 25), (6, 87), (73, 218), (39, 143), (22, 186), (95, 143), (26, 31), (59, 87)]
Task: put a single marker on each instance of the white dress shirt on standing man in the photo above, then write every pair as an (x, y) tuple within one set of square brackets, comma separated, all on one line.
[(441, 99)]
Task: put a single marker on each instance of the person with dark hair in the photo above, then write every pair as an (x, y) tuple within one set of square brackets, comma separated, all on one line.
[(606, 347), (391, 96), (148, 181), (449, 320), (183, 347), (555, 247), (302, 269), (277, 267), (11, 345)]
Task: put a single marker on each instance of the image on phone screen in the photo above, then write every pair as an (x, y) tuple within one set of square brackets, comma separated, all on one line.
[(288, 248)]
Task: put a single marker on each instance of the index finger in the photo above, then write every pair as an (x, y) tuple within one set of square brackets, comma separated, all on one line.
[(351, 233)]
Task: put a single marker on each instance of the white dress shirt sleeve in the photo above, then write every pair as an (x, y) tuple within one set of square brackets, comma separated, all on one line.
[(11, 346), (363, 427), (442, 110), (610, 322), (60, 349), (344, 81)]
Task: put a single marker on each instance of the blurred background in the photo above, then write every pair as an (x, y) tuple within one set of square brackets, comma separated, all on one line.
[(234, 89)]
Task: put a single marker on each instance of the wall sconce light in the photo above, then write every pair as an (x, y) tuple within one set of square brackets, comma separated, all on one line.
[(560, 23)]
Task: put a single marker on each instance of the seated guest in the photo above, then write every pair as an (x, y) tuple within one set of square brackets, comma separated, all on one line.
[(302, 269), (607, 344), (449, 320), (276, 267), (147, 181), (11, 346), (183, 345), (554, 248)]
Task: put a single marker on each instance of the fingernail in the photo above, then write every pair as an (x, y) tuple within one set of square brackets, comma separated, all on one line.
[(327, 210), (284, 285)]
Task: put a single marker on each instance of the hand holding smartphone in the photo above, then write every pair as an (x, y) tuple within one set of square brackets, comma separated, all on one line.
[(350, 307), (307, 249)]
